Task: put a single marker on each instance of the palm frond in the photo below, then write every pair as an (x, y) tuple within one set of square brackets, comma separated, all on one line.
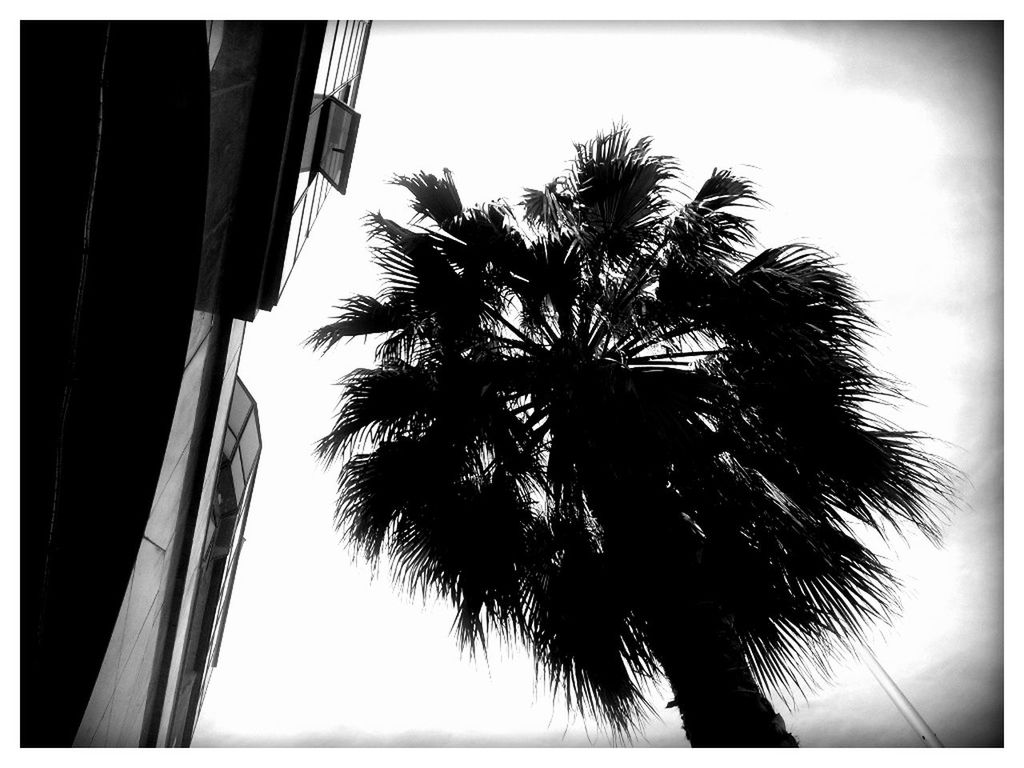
[(357, 316), (585, 639), (723, 189), (378, 405), (433, 198), (622, 192), (549, 209)]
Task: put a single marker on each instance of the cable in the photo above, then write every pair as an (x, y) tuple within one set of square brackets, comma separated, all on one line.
[(75, 326)]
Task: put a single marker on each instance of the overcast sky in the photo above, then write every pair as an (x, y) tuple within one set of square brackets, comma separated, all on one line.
[(882, 143)]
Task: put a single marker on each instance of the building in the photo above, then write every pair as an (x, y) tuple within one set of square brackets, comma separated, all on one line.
[(171, 173)]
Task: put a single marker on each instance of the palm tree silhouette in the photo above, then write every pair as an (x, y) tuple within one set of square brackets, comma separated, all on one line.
[(600, 427)]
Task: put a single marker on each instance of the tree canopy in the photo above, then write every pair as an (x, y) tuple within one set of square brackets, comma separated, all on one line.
[(598, 409)]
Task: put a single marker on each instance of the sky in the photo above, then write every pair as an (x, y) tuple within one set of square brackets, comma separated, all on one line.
[(879, 142)]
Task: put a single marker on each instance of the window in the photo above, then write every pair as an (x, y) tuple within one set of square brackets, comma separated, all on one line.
[(339, 140), (329, 147)]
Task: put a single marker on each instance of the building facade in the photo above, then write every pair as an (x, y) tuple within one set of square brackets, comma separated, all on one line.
[(176, 173)]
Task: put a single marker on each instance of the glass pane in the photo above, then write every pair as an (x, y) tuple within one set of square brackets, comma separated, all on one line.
[(211, 532), (243, 503), (310, 208), (357, 66), (339, 139), (330, 46), (240, 405), (338, 125), (340, 53), (214, 39), (236, 475), (356, 49), (229, 443), (292, 250), (250, 445), (310, 140), (226, 500)]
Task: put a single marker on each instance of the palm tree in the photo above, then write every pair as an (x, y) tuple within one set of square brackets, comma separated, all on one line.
[(601, 427)]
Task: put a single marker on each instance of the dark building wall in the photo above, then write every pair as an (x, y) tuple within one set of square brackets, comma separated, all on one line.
[(174, 211), (146, 692), (259, 121), (126, 702), (158, 190), (110, 310), (137, 682)]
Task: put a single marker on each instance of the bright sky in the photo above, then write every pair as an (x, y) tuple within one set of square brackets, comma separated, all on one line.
[(881, 143)]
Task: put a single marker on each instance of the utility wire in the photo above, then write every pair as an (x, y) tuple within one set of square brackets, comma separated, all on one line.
[(75, 326)]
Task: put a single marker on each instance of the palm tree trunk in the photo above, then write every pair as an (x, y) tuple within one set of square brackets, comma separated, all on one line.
[(718, 698)]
